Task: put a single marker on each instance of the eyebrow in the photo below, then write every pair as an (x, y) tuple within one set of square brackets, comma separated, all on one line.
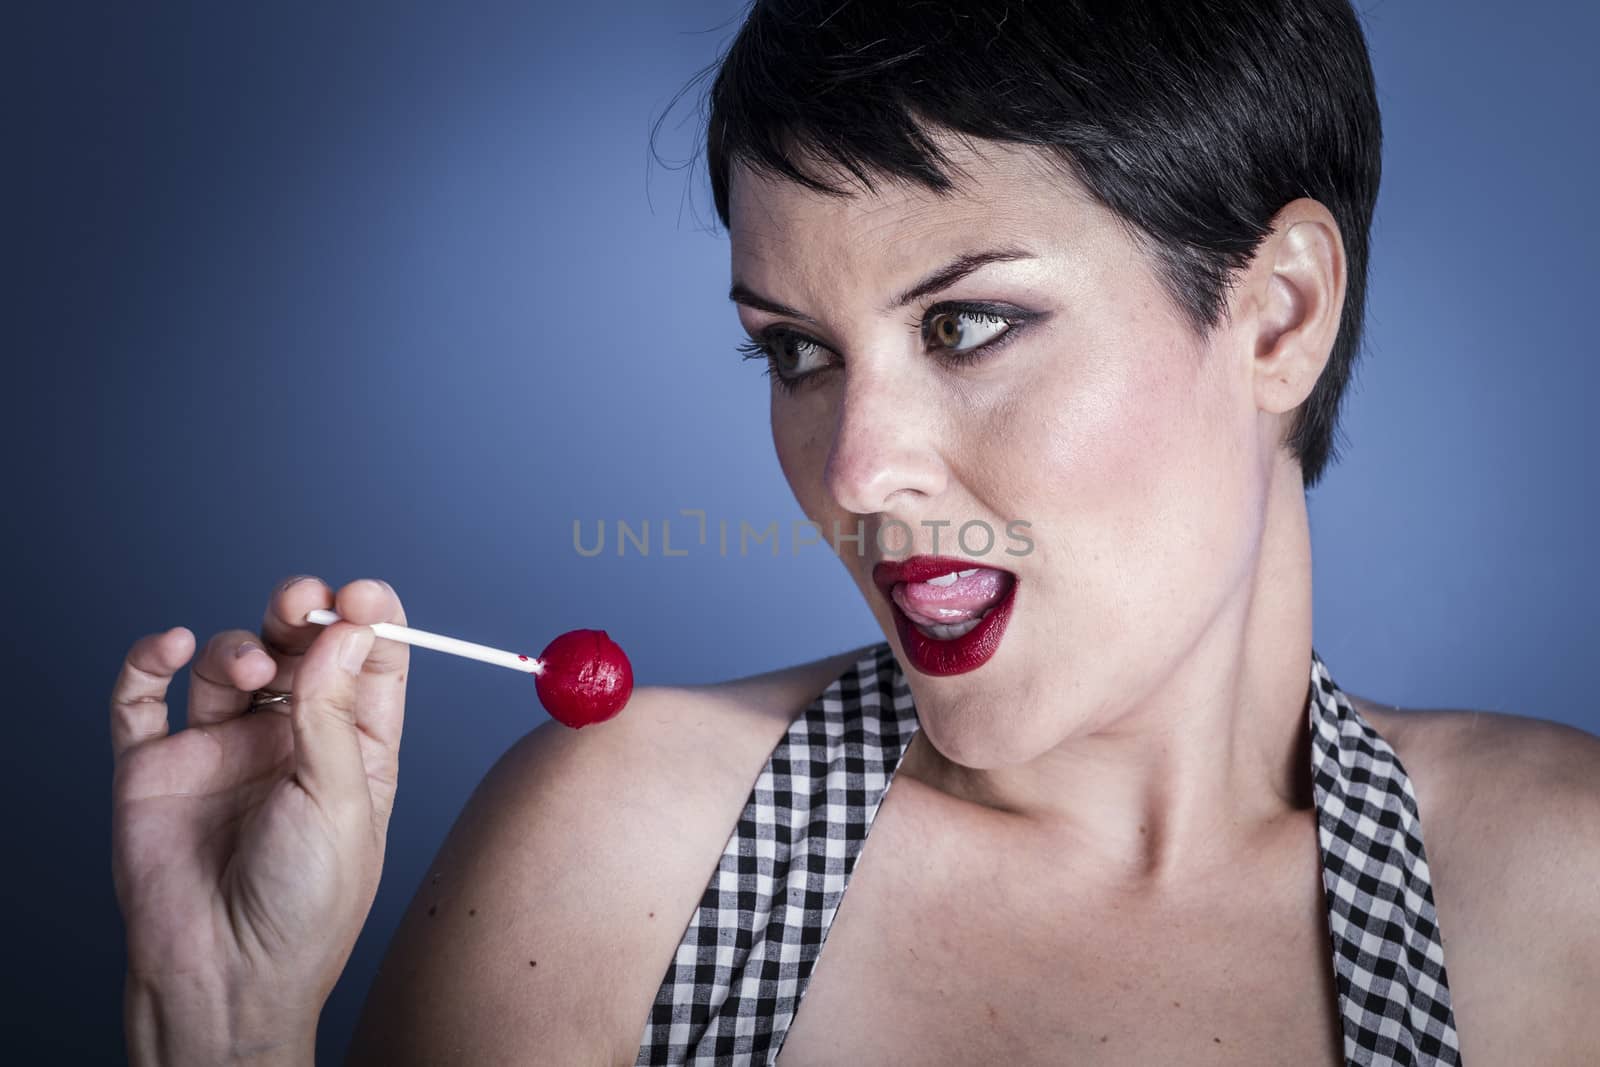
[(940, 279)]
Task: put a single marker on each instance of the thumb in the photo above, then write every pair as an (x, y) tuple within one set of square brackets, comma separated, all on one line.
[(327, 743)]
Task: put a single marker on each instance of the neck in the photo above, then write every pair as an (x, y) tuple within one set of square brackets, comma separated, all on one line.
[(1199, 764)]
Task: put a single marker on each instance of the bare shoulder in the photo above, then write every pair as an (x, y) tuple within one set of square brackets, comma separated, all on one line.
[(552, 909), (1513, 779), (1510, 813), (777, 696)]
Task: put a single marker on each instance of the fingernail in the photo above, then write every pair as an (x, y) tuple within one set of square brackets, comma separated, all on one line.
[(287, 582), (244, 650), (353, 652)]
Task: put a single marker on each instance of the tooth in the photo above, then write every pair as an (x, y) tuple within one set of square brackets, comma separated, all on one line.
[(947, 632), (963, 574), (943, 579)]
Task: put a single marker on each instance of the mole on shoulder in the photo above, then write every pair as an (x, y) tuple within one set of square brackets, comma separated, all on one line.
[(1218, 1040), (472, 911), (1175, 1004), (432, 908), (1104, 1038), (652, 915), (533, 963)]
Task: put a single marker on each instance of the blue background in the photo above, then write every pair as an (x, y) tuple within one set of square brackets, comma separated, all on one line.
[(371, 290)]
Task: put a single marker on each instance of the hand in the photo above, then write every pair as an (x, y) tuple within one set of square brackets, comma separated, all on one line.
[(247, 848)]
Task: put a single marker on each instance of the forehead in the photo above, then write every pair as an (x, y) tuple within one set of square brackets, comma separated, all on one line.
[(1003, 193)]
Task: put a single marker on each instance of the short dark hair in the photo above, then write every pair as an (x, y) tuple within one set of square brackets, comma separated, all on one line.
[(1193, 121)]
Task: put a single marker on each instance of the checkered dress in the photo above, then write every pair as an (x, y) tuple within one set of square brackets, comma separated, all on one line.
[(740, 971)]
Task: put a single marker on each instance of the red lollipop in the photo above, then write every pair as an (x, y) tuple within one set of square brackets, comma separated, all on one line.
[(583, 677), (586, 678)]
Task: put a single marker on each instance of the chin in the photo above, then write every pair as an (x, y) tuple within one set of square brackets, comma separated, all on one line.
[(974, 738), (975, 720)]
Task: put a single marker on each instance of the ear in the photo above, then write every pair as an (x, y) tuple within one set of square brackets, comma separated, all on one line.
[(1297, 286)]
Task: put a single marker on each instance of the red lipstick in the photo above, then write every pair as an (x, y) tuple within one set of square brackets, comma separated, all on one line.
[(931, 655)]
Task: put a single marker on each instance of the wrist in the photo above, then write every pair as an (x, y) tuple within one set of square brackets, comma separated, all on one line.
[(185, 1020)]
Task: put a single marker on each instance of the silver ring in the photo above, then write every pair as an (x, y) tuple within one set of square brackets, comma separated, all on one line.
[(262, 697)]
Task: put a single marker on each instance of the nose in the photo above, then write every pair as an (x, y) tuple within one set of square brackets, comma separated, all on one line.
[(885, 444)]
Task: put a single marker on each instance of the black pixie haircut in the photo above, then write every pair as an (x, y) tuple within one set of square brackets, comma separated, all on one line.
[(1192, 121)]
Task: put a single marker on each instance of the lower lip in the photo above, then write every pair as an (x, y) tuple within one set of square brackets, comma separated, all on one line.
[(961, 654)]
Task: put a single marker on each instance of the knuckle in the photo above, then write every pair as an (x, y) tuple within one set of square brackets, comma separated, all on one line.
[(144, 672), (340, 706)]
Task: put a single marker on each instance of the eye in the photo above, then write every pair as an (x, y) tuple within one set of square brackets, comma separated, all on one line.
[(794, 360), (792, 356), (944, 329)]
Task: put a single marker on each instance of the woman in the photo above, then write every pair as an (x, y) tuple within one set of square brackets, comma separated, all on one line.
[(1089, 272)]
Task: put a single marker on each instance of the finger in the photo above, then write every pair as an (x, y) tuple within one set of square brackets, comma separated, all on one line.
[(232, 666), (381, 689), (327, 737), (139, 695), (284, 631), (382, 685), (227, 672)]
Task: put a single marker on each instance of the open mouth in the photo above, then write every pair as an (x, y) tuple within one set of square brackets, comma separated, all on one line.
[(950, 613), (954, 603)]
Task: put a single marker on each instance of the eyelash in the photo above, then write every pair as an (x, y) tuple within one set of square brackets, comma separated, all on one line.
[(762, 349)]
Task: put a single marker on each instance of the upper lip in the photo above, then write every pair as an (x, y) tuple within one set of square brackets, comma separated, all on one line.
[(890, 573)]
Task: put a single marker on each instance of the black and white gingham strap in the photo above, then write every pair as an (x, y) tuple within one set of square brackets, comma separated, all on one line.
[(742, 966), (741, 969), (1388, 956)]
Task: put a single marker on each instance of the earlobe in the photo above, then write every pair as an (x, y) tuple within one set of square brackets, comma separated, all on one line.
[(1300, 303)]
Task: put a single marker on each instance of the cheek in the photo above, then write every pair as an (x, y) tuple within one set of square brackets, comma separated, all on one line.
[(1125, 458), (799, 439), (1093, 443)]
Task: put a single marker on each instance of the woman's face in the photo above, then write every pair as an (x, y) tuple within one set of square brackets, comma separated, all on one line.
[(1136, 456)]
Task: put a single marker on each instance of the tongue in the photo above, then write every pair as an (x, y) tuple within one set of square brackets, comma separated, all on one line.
[(965, 598)]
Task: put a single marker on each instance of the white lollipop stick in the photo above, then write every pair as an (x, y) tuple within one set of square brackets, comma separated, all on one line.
[(440, 643)]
